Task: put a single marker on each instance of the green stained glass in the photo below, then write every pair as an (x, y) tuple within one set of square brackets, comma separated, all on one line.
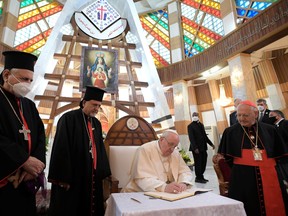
[(201, 25), (156, 29), (188, 40), (1, 7)]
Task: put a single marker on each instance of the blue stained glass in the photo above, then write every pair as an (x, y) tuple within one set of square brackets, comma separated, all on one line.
[(186, 52), (241, 12), (242, 3), (251, 13), (190, 55), (187, 46), (194, 51), (165, 15), (260, 5)]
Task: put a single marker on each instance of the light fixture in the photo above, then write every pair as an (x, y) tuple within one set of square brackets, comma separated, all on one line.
[(223, 100), (236, 77)]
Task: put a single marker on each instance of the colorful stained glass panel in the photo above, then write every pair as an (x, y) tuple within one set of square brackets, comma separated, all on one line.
[(202, 25), (246, 9), (156, 28), (35, 22)]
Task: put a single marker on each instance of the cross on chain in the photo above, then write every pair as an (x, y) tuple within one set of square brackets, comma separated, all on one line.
[(25, 132)]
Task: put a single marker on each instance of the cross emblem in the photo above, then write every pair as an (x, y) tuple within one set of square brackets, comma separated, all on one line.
[(25, 132), (101, 13)]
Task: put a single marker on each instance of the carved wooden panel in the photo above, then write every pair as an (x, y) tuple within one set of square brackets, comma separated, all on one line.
[(140, 132)]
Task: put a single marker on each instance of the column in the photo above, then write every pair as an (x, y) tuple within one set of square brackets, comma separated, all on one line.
[(227, 14), (218, 109), (175, 29), (272, 85), (181, 112), (10, 21), (242, 79), (180, 90), (192, 98)]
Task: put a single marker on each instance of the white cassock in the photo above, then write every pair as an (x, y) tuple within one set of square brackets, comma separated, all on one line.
[(151, 171)]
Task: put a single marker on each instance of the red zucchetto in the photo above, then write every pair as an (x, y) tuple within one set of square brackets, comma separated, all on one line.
[(249, 103)]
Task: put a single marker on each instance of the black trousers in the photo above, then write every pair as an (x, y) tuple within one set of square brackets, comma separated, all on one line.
[(200, 161)]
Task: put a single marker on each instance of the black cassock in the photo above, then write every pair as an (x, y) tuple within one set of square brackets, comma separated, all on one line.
[(14, 152), (71, 162), (243, 185)]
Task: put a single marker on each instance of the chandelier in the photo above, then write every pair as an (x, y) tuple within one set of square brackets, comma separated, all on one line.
[(223, 100)]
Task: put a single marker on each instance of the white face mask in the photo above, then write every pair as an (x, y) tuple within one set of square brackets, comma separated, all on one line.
[(21, 89), (260, 108), (195, 118)]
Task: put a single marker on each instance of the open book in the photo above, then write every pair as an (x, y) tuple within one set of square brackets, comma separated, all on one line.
[(173, 197)]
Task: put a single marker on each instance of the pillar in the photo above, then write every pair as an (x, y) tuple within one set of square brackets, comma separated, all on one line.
[(242, 79), (175, 32), (181, 112), (272, 85), (218, 109), (10, 21), (227, 14)]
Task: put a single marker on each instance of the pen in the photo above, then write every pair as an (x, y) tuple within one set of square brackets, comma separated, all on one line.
[(135, 200)]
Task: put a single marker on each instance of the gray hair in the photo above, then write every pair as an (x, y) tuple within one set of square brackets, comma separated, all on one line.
[(168, 132)]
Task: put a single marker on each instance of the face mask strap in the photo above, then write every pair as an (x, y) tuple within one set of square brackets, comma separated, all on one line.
[(15, 77)]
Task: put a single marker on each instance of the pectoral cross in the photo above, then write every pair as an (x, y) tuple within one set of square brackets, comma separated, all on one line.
[(90, 147), (25, 132)]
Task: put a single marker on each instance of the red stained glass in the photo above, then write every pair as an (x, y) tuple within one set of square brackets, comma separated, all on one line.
[(33, 40), (156, 35), (158, 57), (38, 17)]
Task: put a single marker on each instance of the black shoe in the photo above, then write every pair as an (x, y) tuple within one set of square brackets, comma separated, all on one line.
[(200, 181), (206, 180)]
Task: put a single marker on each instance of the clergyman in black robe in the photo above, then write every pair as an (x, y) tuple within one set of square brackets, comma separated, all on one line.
[(22, 137), (79, 161), (251, 148)]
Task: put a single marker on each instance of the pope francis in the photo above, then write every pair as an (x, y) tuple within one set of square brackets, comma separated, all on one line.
[(158, 166)]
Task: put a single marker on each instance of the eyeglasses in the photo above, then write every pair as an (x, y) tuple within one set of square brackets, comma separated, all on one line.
[(171, 145)]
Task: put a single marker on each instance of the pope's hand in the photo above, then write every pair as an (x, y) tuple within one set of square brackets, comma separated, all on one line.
[(175, 187)]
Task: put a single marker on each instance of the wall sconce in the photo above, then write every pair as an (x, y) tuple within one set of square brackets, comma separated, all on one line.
[(236, 77), (178, 98), (223, 100)]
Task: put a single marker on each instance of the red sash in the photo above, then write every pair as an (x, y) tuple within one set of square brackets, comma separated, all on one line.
[(273, 200), (94, 153)]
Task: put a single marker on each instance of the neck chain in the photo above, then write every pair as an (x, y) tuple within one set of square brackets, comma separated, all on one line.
[(11, 106), (252, 142), (90, 140), (23, 130), (257, 153)]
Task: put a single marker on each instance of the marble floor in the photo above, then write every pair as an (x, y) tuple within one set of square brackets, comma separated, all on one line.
[(213, 181)]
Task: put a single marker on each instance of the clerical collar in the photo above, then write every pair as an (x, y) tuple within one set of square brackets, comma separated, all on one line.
[(252, 127), (277, 123)]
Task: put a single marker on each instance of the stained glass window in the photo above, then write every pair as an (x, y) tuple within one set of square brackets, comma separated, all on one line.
[(202, 25), (246, 9), (1, 8), (35, 22), (156, 28)]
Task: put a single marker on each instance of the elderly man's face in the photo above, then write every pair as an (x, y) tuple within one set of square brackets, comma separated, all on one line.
[(91, 107), (168, 144), (246, 115)]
